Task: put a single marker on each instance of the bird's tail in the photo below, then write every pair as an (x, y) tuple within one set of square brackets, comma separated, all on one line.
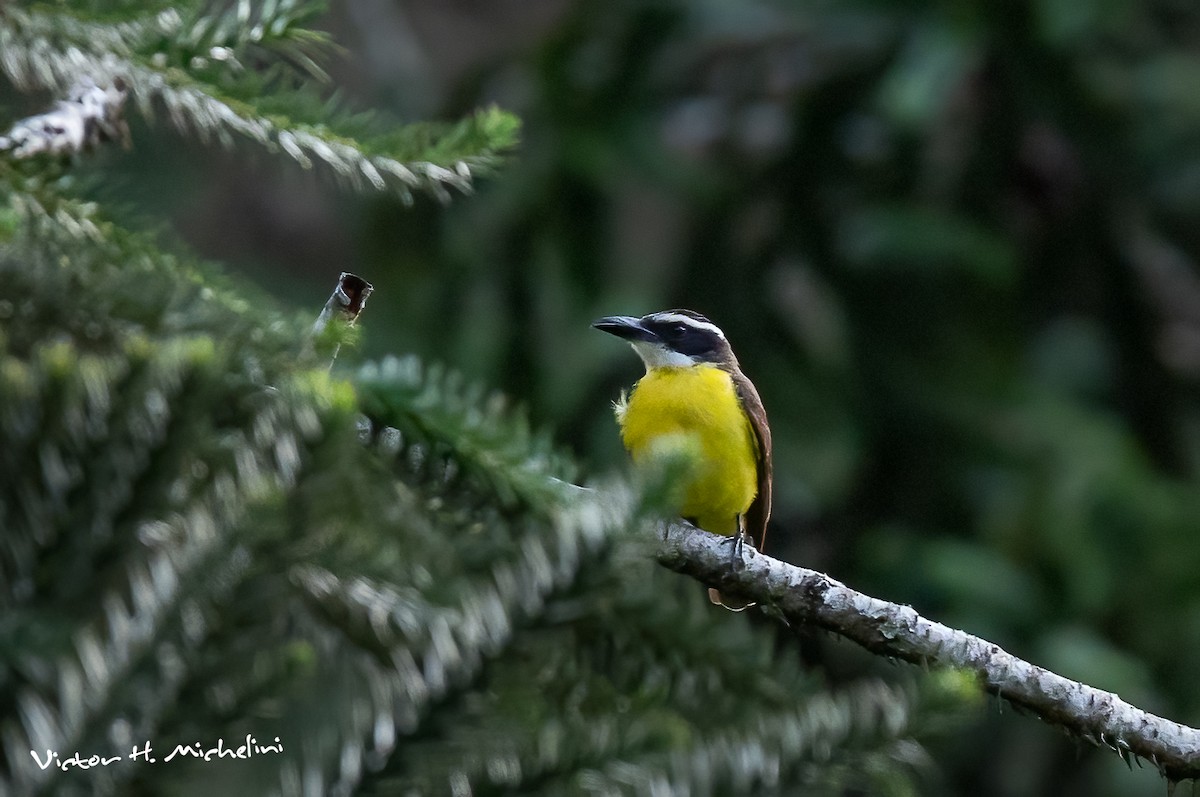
[(730, 603)]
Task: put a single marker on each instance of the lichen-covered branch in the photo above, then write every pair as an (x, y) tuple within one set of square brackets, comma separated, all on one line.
[(807, 597), (91, 115)]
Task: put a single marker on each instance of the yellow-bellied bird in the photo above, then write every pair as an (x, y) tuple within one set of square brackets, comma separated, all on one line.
[(695, 392)]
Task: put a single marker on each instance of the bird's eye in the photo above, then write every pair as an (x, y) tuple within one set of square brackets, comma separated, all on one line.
[(679, 329)]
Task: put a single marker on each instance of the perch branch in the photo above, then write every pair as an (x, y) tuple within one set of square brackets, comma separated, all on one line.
[(807, 597)]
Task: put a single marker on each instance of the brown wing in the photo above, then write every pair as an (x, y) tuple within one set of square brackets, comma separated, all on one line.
[(760, 511)]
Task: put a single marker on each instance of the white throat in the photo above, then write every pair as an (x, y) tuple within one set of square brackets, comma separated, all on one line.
[(655, 355)]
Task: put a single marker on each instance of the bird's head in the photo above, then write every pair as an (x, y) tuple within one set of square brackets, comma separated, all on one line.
[(671, 338)]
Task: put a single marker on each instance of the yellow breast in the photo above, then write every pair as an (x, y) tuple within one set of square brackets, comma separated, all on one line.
[(698, 407)]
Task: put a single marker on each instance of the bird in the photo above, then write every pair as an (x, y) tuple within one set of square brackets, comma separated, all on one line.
[(695, 394)]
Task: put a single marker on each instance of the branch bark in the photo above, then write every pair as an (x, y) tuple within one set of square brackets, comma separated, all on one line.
[(91, 115), (807, 597)]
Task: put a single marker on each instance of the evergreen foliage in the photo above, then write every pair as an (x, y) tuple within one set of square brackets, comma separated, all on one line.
[(206, 535)]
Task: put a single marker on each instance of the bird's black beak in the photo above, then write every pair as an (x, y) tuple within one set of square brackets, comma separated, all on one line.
[(624, 326)]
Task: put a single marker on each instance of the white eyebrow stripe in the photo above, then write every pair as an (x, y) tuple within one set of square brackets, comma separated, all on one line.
[(676, 318)]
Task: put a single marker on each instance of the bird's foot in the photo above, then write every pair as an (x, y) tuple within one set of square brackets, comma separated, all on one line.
[(737, 548)]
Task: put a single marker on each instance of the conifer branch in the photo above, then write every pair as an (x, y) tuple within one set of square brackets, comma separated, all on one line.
[(411, 158), (806, 597), (460, 420)]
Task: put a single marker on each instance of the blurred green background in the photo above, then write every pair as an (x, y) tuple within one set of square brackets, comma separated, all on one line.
[(952, 243)]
